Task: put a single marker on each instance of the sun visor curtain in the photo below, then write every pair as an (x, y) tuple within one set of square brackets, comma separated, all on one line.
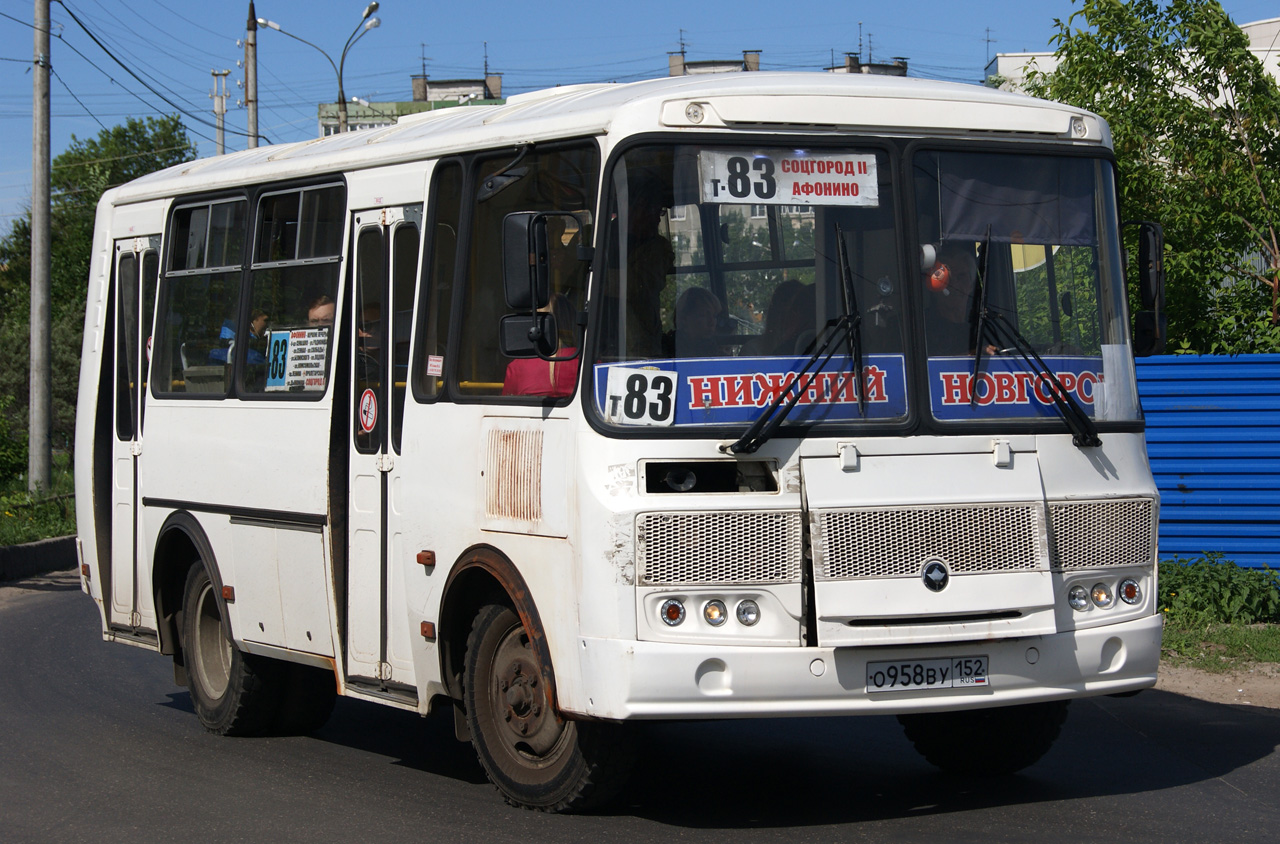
[(1023, 198)]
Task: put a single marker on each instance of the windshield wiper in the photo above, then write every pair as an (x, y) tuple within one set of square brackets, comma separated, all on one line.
[(981, 282), (837, 330), (851, 308), (1084, 431)]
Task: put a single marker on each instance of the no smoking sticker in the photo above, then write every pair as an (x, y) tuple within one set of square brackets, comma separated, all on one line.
[(368, 411)]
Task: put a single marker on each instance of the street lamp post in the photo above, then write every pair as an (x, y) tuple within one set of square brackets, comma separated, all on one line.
[(366, 23)]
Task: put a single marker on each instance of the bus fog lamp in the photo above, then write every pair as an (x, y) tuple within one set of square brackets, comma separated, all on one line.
[(1078, 598), (672, 612), (1101, 595), (715, 613), (1130, 591), (748, 613)]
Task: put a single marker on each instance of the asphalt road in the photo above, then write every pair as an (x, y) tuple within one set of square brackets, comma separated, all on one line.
[(97, 744)]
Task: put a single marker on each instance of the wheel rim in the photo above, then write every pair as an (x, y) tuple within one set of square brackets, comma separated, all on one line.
[(212, 657), (526, 730)]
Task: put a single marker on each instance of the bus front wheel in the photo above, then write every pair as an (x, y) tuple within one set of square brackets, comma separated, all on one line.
[(986, 742), (234, 693), (536, 759)]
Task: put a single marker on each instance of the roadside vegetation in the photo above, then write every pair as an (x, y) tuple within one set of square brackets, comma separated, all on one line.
[(1195, 117), (28, 517), (1219, 617)]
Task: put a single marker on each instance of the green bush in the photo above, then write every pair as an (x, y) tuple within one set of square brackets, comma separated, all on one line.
[(13, 446), (1213, 590)]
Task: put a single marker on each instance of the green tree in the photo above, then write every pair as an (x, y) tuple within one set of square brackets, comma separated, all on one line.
[(79, 177), (1196, 123)]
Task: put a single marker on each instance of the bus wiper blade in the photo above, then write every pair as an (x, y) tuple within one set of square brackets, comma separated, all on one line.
[(981, 282), (851, 307), (1084, 431), (834, 332)]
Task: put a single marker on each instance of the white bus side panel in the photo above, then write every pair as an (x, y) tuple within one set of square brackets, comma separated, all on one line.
[(212, 454)]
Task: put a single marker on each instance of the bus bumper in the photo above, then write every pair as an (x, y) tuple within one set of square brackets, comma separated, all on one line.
[(651, 680)]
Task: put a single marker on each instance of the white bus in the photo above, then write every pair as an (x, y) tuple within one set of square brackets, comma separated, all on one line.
[(710, 397)]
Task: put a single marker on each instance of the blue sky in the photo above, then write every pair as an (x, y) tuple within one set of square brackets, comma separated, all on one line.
[(173, 46)]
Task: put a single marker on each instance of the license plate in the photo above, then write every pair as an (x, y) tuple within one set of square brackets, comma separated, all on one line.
[(917, 674)]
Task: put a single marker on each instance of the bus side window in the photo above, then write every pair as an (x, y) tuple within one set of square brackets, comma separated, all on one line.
[(293, 288), (556, 179), (439, 264), (201, 294)]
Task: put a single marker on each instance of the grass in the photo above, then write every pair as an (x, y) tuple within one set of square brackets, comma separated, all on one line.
[(1220, 648), (27, 518), (1218, 616)]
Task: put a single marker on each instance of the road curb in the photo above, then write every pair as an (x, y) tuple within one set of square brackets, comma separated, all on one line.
[(33, 558)]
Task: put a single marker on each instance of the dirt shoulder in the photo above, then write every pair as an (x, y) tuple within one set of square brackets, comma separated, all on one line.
[(1255, 686)]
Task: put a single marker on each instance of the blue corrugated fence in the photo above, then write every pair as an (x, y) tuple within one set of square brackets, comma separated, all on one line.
[(1212, 424)]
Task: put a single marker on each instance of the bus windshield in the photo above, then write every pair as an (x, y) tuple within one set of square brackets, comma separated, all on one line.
[(727, 267)]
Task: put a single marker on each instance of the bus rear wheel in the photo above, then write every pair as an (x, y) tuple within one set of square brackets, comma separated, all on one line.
[(986, 742), (233, 693), (536, 759)]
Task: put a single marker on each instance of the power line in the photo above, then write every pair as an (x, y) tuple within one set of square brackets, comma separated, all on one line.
[(144, 83), (74, 97), (17, 20)]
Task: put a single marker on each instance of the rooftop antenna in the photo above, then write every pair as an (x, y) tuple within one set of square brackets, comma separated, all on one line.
[(871, 56), (486, 60), (990, 41), (859, 41), (683, 45), (424, 58)]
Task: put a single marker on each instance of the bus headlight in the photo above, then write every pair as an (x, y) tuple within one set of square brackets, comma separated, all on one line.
[(1130, 591), (672, 612), (748, 612), (1101, 595), (715, 613), (1078, 598)]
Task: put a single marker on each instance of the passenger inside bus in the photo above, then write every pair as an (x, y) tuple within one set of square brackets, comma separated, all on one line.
[(949, 319), (553, 378), (650, 260), (321, 311), (696, 319)]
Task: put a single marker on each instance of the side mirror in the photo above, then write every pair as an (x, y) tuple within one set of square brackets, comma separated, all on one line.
[(528, 335), (1150, 324), (525, 261)]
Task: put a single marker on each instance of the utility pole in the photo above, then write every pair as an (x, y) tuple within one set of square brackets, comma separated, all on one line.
[(251, 75), (220, 108), (39, 402)]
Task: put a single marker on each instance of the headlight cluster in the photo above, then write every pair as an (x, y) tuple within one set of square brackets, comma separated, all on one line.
[(1103, 596), (715, 612)]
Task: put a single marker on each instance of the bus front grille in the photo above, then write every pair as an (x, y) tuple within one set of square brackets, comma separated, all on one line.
[(970, 539), (691, 549), (983, 538), (1087, 534)]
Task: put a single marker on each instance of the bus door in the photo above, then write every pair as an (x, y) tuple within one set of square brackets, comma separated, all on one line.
[(137, 266), (386, 268)]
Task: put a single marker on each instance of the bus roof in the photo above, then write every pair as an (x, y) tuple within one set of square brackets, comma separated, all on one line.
[(775, 102)]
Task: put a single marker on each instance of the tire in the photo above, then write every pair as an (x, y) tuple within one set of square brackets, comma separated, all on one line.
[(536, 760), (234, 693), (307, 700), (986, 742)]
